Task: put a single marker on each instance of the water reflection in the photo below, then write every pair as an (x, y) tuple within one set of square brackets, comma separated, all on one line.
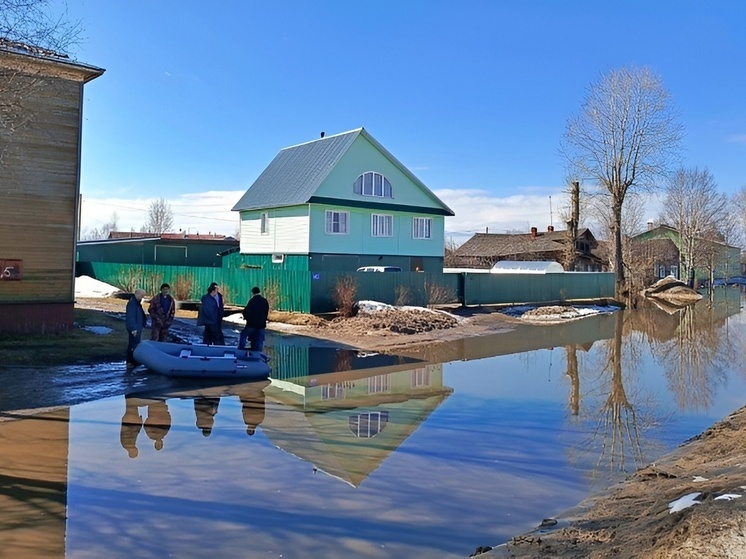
[(393, 457), (694, 348)]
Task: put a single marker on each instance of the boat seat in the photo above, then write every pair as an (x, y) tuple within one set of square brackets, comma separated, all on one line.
[(185, 353)]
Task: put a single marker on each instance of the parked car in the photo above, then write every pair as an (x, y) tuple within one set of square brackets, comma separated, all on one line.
[(379, 269)]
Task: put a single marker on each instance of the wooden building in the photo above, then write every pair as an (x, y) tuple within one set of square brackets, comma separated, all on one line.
[(41, 97)]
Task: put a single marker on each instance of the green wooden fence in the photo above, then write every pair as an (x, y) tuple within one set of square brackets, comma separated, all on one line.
[(314, 292)]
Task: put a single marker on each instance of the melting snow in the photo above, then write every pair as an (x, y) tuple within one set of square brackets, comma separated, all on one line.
[(727, 497), (684, 502), (86, 286)]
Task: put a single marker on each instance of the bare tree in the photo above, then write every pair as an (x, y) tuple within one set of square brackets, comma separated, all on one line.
[(739, 217), (160, 217), (623, 138), (28, 27), (695, 208), (43, 24), (102, 233)]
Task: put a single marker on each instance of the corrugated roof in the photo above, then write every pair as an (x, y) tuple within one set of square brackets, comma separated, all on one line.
[(296, 172)]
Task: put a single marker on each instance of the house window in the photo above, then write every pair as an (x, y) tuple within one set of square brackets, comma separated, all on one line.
[(337, 223), (332, 392), (661, 270), (382, 225), (420, 377), (373, 184), (367, 425), (675, 271), (264, 224), (379, 384), (422, 227)]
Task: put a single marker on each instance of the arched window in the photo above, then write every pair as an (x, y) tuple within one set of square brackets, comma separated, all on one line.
[(373, 184), (367, 425)]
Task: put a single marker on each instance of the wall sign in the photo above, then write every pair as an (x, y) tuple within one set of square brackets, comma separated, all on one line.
[(11, 270)]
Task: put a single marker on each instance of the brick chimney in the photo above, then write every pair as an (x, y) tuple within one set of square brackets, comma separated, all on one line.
[(533, 232)]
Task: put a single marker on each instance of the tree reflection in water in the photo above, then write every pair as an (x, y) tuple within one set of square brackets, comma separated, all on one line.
[(694, 346), (698, 348)]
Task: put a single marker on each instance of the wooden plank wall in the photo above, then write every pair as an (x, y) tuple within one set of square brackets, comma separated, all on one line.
[(39, 190)]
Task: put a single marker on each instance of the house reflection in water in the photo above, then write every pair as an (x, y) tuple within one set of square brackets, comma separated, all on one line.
[(33, 485), (347, 423)]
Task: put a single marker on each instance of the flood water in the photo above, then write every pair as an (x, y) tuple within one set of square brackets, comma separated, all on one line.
[(350, 455)]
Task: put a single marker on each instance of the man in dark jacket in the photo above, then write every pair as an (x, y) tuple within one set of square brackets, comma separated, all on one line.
[(161, 310), (219, 338), (209, 316), (134, 320), (255, 313)]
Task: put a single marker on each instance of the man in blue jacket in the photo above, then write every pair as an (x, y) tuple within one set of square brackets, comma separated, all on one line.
[(209, 316), (134, 320)]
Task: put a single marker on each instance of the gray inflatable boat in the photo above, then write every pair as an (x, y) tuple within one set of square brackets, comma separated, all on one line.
[(202, 361)]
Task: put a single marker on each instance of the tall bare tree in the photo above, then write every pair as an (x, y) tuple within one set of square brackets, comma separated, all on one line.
[(43, 24), (38, 27), (160, 217), (739, 215), (623, 139), (698, 211)]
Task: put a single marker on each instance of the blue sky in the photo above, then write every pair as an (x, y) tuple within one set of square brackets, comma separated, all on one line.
[(472, 96)]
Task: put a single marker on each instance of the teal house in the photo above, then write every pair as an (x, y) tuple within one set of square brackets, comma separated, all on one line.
[(338, 203)]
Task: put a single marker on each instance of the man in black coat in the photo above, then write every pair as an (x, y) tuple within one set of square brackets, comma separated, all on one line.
[(255, 313)]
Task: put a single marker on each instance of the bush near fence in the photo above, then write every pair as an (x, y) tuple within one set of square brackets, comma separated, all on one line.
[(313, 292)]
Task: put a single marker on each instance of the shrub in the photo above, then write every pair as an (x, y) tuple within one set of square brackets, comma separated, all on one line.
[(344, 295), (182, 287), (438, 294)]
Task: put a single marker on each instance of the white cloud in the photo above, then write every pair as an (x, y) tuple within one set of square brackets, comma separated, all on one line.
[(737, 138), (479, 211), (476, 211), (204, 212)]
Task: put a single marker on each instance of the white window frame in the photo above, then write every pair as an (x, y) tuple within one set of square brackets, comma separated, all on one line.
[(264, 223), (422, 228), (381, 225), (373, 183), (330, 224)]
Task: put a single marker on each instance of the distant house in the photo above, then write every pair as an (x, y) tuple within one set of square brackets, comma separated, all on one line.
[(169, 249), (659, 249), (483, 250), (41, 100), (338, 203)]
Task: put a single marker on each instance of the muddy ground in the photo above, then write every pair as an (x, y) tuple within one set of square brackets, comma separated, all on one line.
[(632, 519)]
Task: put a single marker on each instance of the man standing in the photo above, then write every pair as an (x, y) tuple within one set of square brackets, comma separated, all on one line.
[(209, 316), (255, 313), (161, 310), (134, 320), (219, 339)]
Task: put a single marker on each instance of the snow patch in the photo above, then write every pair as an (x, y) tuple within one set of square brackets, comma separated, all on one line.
[(102, 330), (86, 286), (684, 502)]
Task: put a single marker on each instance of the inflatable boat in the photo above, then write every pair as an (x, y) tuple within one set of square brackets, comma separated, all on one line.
[(202, 361)]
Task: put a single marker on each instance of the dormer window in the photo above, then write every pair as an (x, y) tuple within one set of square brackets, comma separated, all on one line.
[(373, 184)]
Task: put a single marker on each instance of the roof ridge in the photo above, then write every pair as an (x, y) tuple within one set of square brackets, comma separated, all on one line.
[(324, 138)]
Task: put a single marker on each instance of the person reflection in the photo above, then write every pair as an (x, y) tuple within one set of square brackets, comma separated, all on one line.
[(131, 426), (252, 408), (158, 422), (205, 409)]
